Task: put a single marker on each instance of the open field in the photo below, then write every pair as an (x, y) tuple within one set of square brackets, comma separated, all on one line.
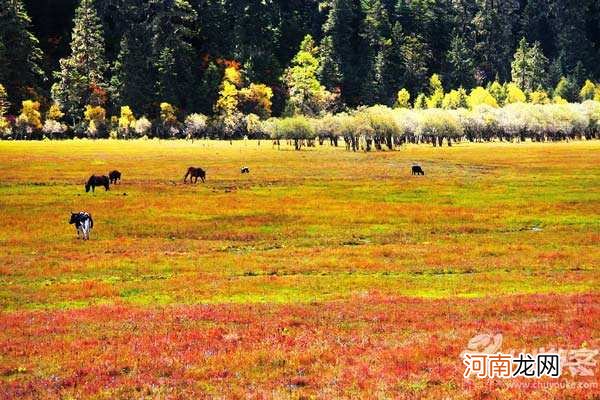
[(323, 273)]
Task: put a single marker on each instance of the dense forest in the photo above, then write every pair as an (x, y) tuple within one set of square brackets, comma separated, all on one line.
[(80, 61)]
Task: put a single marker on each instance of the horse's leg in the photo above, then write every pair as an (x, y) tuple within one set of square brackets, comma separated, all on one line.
[(185, 177)]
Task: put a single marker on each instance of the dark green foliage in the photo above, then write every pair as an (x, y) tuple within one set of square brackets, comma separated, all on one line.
[(133, 75), (81, 78), (176, 50), (20, 55)]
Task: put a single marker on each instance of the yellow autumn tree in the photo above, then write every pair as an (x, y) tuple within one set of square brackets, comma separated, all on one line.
[(403, 99), (168, 118), (437, 92), (54, 113), (228, 95), (479, 96), (96, 119), (514, 94), (126, 121), (30, 118), (256, 99), (539, 97), (587, 91)]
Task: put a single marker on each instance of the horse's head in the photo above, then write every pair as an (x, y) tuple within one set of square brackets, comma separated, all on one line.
[(73, 218), (87, 187)]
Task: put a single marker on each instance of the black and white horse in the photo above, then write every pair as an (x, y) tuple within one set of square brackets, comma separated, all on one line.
[(245, 170), (83, 223)]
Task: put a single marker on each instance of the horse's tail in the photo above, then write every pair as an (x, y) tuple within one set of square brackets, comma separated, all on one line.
[(91, 221)]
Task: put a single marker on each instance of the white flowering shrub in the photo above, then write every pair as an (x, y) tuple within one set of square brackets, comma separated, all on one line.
[(195, 125)]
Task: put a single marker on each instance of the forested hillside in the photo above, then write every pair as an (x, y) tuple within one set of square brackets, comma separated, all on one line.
[(217, 57)]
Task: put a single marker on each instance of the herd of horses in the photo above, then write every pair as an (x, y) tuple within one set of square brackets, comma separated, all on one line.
[(193, 173), (114, 177), (83, 221)]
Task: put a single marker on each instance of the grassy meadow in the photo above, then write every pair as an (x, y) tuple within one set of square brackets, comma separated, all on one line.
[(321, 274)]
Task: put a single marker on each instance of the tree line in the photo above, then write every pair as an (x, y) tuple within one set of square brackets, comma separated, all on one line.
[(179, 68)]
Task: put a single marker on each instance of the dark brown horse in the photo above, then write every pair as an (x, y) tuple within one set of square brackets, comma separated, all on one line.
[(114, 176), (195, 173), (97, 180), (417, 170)]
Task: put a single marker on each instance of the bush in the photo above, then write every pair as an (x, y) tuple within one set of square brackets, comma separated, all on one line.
[(142, 127), (439, 124), (479, 96), (195, 125), (298, 129)]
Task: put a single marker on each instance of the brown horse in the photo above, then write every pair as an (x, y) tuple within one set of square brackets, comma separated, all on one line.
[(194, 173), (97, 180), (114, 176)]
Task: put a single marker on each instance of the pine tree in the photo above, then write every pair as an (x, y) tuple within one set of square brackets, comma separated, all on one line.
[(375, 34), (572, 43), (492, 26), (172, 32), (416, 56), (20, 55), (462, 64), (395, 60), (81, 75), (529, 67), (255, 38), (337, 54), (134, 77)]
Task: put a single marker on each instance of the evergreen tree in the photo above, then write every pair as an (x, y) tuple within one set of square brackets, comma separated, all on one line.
[(20, 55), (535, 24), (492, 26), (571, 40), (416, 56), (462, 64), (133, 73), (529, 67), (337, 56), (375, 33), (172, 27), (255, 37), (81, 75), (395, 60)]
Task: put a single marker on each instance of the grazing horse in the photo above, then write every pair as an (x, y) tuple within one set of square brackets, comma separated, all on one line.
[(83, 223), (245, 170), (97, 180), (114, 176), (417, 170), (195, 173)]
